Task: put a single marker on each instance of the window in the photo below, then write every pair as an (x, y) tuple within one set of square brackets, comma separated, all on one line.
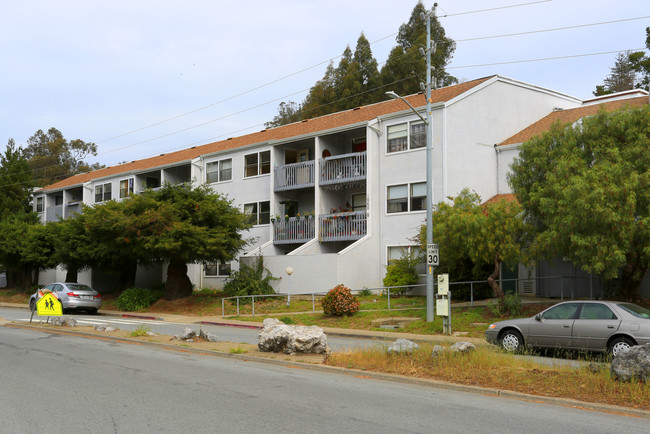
[(126, 187), (39, 204), (407, 197), (409, 135), (218, 268), (596, 311), (257, 164), (259, 213), (397, 252), (562, 311), (103, 192), (219, 171)]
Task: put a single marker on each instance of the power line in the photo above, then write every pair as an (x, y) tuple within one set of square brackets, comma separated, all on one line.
[(493, 9)]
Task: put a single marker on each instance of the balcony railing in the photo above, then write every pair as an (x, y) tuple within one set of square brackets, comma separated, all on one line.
[(294, 176), (343, 168), (294, 230), (344, 226), (54, 213)]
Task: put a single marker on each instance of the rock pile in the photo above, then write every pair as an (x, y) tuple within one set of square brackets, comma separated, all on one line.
[(278, 337)]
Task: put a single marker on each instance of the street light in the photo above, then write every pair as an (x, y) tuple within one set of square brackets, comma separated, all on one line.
[(429, 134)]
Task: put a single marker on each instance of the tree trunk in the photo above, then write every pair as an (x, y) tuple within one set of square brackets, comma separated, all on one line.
[(71, 274), (178, 285), (492, 279), (36, 274)]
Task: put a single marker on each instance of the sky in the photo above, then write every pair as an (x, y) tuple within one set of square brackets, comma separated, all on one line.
[(145, 77)]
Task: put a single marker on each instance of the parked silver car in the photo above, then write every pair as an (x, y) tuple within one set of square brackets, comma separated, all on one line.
[(597, 326), (72, 296)]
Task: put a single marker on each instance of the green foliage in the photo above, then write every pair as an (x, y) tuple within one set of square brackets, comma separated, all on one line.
[(287, 319), (15, 181), (403, 272), (250, 280), (509, 305), (53, 158), (365, 293), (134, 299), (141, 330), (622, 76), (340, 301), (641, 64), (584, 187), (469, 232)]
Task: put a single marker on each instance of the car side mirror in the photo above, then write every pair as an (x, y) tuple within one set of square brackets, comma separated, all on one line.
[(538, 317)]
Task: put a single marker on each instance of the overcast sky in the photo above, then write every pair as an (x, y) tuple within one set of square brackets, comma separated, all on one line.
[(143, 77)]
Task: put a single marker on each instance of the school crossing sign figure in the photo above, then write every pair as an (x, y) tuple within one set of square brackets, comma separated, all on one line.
[(49, 305)]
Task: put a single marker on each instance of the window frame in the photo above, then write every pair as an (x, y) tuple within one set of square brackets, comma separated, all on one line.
[(262, 164), (219, 268), (219, 172), (421, 268), (259, 216), (104, 193), (410, 138), (408, 200), (129, 187), (40, 204)]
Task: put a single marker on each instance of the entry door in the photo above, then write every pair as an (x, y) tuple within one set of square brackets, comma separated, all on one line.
[(594, 325)]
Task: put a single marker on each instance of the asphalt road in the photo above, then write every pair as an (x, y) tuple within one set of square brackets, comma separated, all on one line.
[(224, 333), (61, 384)]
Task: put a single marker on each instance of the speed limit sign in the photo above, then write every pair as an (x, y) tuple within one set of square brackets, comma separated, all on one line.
[(433, 256)]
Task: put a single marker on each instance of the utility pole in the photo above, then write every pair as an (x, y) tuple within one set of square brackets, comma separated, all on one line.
[(431, 47)]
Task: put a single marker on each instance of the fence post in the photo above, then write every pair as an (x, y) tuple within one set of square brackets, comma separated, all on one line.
[(313, 302), (471, 293), (237, 306), (388, 298), (222, 306), (253, 297)]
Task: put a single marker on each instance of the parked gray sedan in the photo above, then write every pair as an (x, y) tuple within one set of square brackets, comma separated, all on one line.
[(597, 326), (72, 296)]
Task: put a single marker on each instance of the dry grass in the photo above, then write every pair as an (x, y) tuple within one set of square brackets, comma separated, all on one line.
[(493, 369)]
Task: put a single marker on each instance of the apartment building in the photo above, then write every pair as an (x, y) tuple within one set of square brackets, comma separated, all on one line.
[(334, 197)]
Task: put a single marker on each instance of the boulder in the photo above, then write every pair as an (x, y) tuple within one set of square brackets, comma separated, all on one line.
[(632, 364), (100, 328), (402, 346), (278, 337), (208, 336), (463, 347), (188, 333), (62, 320), (437, 350)]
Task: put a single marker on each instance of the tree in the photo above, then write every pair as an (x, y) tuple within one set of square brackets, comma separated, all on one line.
[(180, 225), (585, 189), (490, 233), (53, 158), (288, 112), (15, 182), (622, 76), (405, 67), (73, 247), (25, 248), (641, 64)]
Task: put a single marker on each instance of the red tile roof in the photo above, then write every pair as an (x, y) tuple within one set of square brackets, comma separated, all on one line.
[(569, 116), (310, 126), (508, 197)]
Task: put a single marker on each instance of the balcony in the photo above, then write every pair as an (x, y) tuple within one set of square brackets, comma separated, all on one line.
[(73, 208), (342, 169), (295, 230), (54, 213), (343, 226), (294, 176)]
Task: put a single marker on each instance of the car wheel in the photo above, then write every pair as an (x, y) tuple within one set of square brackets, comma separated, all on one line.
[(619, 344), (92, 311), (511, 341), (32, 304)]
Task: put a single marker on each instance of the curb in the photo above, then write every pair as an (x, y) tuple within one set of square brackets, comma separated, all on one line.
[(226, 324), (507, 394)]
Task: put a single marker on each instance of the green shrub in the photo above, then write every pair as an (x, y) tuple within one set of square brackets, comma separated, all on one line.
[(340, 301), (365, 293), (133, 299), (402, 272), (250, 280), (509, 305)]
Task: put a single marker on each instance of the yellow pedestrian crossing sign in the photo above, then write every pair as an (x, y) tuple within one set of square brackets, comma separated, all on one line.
[(49, 305)]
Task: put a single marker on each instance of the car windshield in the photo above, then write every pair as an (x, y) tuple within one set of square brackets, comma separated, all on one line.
[(79, 287), (635, 310)]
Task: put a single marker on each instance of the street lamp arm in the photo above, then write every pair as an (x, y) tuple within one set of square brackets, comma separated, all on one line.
[(393, 95)]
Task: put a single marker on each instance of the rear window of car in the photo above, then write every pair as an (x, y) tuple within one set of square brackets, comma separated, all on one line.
[(635, 310), (80, 287)]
